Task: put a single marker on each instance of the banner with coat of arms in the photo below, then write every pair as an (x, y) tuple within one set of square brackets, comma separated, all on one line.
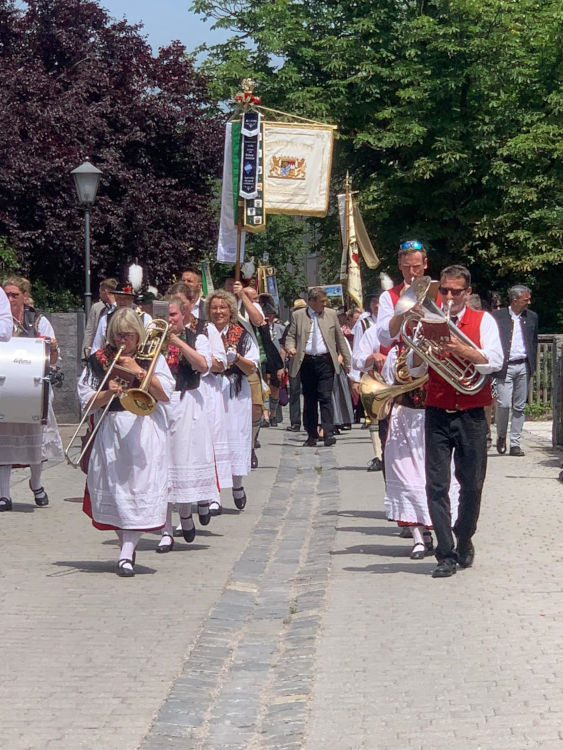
[(297, 166)]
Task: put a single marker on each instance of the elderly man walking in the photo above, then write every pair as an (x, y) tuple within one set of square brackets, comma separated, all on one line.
[(518, 328), (314, 343)]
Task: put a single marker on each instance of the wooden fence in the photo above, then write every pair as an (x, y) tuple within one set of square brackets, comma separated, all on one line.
[(541, 387)]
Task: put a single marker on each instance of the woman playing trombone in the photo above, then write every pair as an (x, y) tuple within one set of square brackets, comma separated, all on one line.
[(126, 488)]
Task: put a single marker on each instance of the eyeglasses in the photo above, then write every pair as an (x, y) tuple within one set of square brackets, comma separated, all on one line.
[(411, 245), (125, 335), (454, 292)]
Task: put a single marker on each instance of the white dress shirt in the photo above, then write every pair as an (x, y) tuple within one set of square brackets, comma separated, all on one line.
[(517, 345), (368, 344), (315, 343), (491, 348)]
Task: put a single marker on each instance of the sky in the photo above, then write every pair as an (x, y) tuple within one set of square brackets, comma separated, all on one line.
[(165, 20)]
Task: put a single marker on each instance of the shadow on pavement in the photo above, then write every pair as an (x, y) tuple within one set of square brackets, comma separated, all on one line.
[(149, 545), (24, 508), (372, 530), (416, 568), (97, 566), (375, 549), (362, 514)]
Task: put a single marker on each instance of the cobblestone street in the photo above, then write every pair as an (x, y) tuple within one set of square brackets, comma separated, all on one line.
[(300, 623)]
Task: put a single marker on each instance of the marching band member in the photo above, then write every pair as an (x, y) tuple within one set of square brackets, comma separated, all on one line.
[(211, 389), (367, 354), (405, 474), (412, 263), (242, 360), (127, 483), (192, 476), (28, 444), (456, 423)]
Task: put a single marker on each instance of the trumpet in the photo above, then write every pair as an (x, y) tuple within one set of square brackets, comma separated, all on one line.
[(137, 400), (458, 372)]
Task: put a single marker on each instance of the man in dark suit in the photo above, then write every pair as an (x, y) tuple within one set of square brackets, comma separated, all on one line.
[(518, 328), (314, 342)]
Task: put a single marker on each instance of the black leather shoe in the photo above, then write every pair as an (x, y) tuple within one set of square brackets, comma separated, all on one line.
[(5, 504), (418, 551), (444, 569), (240, 501), (204, 518), (163, 548), (310, 443), (375, 464), (215, 509), (330, 440), (501, 446), (293, 428), (41, 497), (253, 460), (465, 554), (516, 451), (188, 534)]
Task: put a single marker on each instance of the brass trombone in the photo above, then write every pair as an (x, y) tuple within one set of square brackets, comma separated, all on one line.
[(86, 445)]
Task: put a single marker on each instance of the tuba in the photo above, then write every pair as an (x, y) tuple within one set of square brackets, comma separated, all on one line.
[(459, 373)]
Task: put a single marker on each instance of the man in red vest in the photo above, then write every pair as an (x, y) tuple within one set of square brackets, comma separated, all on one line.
[(456, 422)]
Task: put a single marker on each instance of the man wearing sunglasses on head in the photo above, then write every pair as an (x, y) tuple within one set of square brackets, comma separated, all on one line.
[(456, 423), (412, 264)]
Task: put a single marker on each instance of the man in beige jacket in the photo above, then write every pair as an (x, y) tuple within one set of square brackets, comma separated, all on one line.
[(313, 342)]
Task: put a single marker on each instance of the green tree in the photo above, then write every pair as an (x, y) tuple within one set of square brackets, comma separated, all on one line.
[(449, 116)]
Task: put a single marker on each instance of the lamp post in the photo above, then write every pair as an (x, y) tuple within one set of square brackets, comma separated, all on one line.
[(86, 180)]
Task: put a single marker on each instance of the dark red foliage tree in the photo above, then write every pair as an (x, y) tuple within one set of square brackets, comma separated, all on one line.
[(74, 85)]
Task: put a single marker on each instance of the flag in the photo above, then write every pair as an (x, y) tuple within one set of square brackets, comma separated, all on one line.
[(227, 245), (297, 164)]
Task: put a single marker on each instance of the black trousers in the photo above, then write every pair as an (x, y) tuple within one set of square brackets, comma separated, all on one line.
[(317, 380), (464, 433), (294, 400)]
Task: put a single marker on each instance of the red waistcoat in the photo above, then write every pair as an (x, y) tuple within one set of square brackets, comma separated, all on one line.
[(440, 393)]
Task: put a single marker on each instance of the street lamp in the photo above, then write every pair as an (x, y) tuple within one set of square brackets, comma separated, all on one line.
[(86, 180)]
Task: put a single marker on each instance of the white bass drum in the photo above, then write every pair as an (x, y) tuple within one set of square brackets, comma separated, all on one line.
[(24, 387)]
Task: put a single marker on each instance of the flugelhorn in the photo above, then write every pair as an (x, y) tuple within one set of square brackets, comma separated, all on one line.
[(458, 372)]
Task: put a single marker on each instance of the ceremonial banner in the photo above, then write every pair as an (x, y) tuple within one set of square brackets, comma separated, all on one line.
[(227, 245), (250, 131), (297, 165)]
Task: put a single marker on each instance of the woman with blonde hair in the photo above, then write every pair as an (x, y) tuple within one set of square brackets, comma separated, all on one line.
[(127, 484), (242, 360)]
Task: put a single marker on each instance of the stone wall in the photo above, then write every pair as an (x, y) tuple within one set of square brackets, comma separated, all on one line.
[(69, 330)]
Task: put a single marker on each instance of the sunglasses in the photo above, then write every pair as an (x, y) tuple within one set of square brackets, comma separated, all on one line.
[(411, 245), (454, 292), (13, 294)]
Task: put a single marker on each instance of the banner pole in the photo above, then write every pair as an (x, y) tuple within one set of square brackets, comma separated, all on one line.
[(239, 241)]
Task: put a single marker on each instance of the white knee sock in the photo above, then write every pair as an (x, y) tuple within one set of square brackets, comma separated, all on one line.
[(185, 511), (130, 541), (5, 472), (35, 476), (417, 537), (168, 529)]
